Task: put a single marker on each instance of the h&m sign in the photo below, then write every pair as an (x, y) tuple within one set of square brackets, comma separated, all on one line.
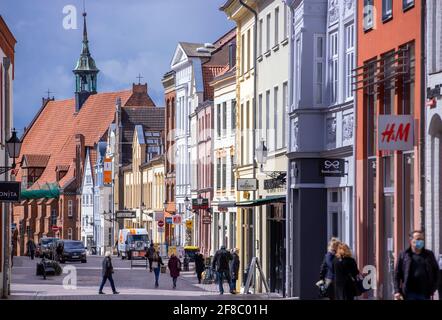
[(395, 132)]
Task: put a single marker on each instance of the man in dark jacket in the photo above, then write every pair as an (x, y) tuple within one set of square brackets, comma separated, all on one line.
[(31, 248), (199, 266), (234, 270), (221, 265), (416, 274), (107, 271)]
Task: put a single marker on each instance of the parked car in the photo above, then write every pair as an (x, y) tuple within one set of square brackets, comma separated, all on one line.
[(44, 247), (73, 250)]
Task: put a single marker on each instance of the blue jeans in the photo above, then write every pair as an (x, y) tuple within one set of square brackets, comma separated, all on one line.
[(111, 282), (174, 281), (157, 275), (233, 284), (416, 296), (221, 276)]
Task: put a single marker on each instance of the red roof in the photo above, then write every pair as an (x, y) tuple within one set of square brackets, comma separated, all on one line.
[(209, 73), (54, 129)]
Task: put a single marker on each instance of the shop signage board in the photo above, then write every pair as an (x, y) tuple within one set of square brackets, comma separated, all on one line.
[(395, 132)]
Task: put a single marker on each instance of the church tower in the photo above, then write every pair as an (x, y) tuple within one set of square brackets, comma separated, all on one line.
[(85, 72)]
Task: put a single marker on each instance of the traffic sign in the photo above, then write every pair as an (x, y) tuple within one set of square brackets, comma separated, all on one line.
[(160, 229), (189, 224), (55, 228), (176, 219), (107, 170), (161, 223)]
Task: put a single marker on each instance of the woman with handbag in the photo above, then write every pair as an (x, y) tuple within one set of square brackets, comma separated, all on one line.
[(174, 265), (156, 264), (346, 274)]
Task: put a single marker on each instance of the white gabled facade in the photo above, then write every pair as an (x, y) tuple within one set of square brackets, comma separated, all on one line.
[(189, 92), (87, 204)]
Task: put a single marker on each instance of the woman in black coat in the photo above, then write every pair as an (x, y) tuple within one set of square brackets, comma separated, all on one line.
[(199, 266), (346, 271)]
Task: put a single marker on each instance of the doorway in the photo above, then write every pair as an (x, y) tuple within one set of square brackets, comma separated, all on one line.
[(277, 232)]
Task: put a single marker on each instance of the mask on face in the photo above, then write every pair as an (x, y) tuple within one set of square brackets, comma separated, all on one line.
[(419, 244)]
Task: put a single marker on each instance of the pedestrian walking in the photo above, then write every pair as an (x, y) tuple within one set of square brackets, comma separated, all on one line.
[(174, 265), (59, 251), (327, 274), (234, 270), (346, 272), (107, 271), (157, 263), (220, 264), (416, 272), (150, 253), (31, 248), (199, 266)]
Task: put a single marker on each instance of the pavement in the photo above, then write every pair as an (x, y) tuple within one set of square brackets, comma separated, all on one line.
[(81, 282)]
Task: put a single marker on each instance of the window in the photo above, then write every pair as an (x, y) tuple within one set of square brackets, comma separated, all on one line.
[(406, 4), (53, 217), (368, 22), (261, 35), (349, 60), (233, 115), (243, 55), (224, 164), (286, 22), (267, 116), (387, 9), (70, 208), (224, 118), (218, 174), (248, 131), (285, 103), (232, 172), (334, 66), (319, 69), (389, 84), (277, 114), (268, 32), (276, 25), (249, 54), (29, 231), (70, 234), (260, 115), (242, 134), (218, 119), (298, 72), (88, 179), (408, 82)]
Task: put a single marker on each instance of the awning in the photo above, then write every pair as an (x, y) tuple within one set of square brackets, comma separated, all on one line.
[(226, 204), (50, 192), (261, 202)]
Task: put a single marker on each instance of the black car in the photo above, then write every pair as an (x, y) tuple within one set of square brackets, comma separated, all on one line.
[(73, 250)]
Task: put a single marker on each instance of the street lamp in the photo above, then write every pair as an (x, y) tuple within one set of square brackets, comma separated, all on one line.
[(165, 205), (261, 154), (13, 146), (187, 202)]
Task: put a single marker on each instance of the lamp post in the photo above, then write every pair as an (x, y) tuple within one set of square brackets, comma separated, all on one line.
[(13, 146)]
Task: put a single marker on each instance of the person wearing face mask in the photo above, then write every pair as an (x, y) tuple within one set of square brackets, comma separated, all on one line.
[(416, 272)]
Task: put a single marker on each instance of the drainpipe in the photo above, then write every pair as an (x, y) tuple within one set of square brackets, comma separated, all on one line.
[(255, 86), (422, 114), (6, 206)]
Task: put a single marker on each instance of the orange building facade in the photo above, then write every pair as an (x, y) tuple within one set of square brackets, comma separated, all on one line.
[(388, 182)]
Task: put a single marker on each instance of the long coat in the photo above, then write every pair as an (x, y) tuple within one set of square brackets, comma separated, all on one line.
[(107, 268), (199, 263), (345, 269), (234, 266), (174, 267)]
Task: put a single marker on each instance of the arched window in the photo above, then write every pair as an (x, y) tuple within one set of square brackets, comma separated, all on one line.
[(70, 234)]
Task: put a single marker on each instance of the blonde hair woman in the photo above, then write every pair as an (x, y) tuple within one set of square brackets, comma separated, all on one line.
[(326, 274), (346, 272)]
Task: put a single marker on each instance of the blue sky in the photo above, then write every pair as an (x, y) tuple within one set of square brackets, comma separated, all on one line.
[(126, 37)]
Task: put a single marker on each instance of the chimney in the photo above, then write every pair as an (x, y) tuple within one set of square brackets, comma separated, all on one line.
[(139, 88)]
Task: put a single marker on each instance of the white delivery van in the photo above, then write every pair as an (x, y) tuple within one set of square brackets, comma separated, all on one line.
[(133, 243)]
